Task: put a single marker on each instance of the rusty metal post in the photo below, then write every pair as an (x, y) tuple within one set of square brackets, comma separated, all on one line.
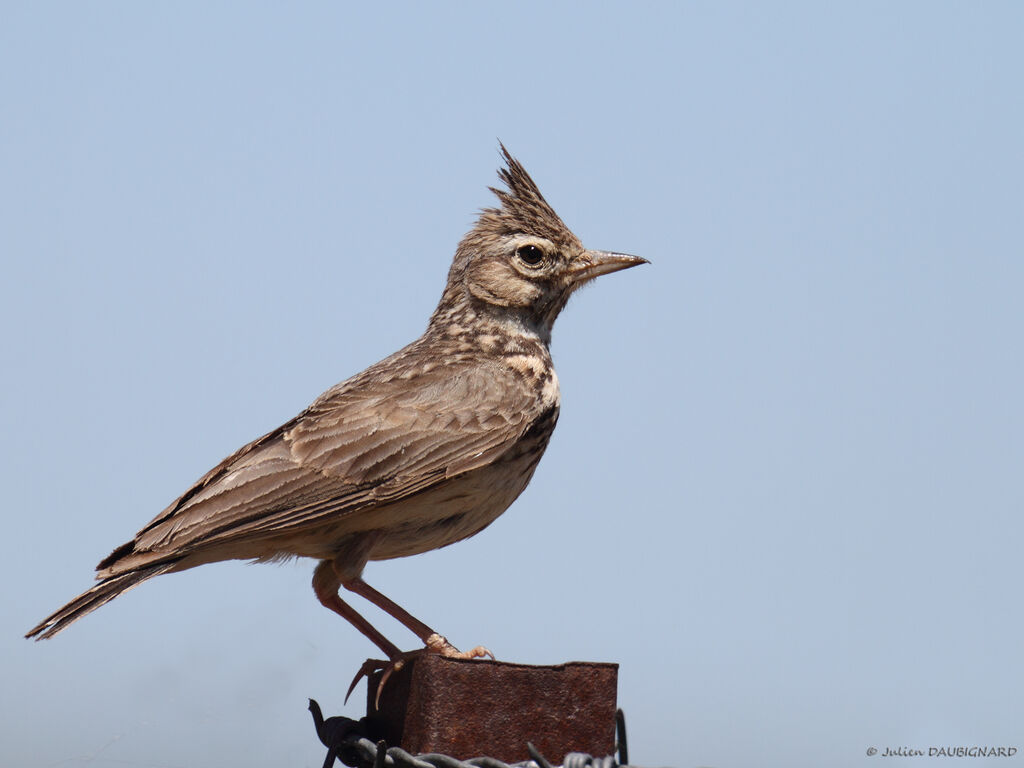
[(487, 708)]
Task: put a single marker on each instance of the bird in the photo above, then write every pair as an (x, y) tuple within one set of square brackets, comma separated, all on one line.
[(421, 450)]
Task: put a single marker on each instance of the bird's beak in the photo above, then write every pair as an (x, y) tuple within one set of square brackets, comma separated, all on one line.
[(596, 263)]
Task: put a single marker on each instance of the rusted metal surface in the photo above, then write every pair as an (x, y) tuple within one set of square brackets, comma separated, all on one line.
[(469, 708)]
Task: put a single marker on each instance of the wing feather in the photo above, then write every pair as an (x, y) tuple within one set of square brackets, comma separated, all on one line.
[(357, 446)]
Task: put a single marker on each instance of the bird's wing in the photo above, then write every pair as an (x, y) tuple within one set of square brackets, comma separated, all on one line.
[(449, 420), (356, 446)]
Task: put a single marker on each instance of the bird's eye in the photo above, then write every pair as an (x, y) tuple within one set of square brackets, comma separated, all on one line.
[(530, 255)]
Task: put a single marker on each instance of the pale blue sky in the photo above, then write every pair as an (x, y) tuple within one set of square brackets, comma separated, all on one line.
[(785, 491)]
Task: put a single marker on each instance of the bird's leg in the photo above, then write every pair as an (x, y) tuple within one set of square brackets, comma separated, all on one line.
[(330, 575), (325, 584), (434, 642)]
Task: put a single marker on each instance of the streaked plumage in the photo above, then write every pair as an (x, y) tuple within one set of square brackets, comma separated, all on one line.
[(422, 449)]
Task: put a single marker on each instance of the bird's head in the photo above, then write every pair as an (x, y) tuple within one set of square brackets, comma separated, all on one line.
[(521, 262)]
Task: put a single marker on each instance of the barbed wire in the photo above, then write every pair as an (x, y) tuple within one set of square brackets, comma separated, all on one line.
[(346, 740)]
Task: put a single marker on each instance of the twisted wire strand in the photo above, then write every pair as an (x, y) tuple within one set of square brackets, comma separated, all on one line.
[(345, 741), (396, 757)]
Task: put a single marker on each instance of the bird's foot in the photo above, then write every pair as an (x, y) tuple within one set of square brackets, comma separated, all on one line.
[(435, 644), (440, 645), (368, 668)]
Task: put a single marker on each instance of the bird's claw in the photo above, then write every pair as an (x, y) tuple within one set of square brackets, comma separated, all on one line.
[(369, 666), (387, 668), (435, 644)]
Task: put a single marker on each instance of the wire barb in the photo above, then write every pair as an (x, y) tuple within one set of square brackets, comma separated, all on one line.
[(538, 758), (620, 736)]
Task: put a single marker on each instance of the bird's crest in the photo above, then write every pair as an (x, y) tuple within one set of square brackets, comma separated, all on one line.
[(523, 208)]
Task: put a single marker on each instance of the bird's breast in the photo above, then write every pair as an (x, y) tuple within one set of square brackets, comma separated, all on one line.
[(463, 505)]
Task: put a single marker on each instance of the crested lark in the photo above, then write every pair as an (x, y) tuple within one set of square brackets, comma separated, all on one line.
[(421, 450)]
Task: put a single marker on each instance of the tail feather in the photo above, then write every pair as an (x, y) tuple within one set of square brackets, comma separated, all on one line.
[(98, 596)]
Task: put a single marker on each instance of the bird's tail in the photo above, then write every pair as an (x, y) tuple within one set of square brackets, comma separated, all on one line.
[(89, 601)]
